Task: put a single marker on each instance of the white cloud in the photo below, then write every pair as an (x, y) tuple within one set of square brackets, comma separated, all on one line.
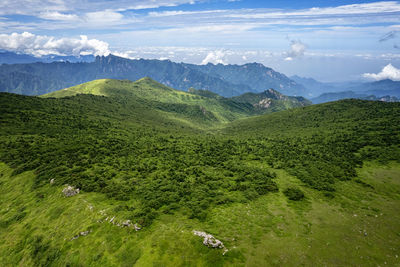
[(40, 45), (35, 7), (366, 8), (388, 72), (55, 15), (215, 57), (103, 17), (30, 7), (297, 49)]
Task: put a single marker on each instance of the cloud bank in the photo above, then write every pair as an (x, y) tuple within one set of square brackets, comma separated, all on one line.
[(297, 49), (41, 45), (388, 72)]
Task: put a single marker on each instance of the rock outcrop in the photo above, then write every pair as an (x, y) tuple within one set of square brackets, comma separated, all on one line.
[(209, 240), (70, 191)]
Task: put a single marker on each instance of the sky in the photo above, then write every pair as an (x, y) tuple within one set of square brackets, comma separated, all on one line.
[(327, 40)]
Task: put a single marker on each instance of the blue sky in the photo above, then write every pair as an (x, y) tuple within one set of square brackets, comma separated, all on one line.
[(327, 40)]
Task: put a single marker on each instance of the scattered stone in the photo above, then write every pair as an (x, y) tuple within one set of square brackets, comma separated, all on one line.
[(137, 228), (127, 223), (209, 240), (52, 181), (84, 233), (70, 191), (75, 237)]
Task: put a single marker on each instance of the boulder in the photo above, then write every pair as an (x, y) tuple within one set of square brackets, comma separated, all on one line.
[(70, 191)]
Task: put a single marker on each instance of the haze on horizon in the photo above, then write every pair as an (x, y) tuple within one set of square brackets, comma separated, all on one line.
[(326, 40)]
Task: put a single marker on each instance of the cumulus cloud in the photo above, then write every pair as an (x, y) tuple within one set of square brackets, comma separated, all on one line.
[(215, 57), (388, 72), (297, 49), (41, 45)]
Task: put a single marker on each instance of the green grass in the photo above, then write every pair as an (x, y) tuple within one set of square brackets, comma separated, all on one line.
[(270, 231), (162, 97)]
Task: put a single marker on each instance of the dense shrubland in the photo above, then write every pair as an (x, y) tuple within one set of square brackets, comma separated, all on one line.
[(134, 151)]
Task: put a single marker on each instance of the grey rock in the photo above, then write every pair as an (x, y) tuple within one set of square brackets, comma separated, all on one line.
[(209, 240), (137, 228), (70, 191)]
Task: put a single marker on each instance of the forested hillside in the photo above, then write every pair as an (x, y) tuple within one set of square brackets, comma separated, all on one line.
[(172, 162)]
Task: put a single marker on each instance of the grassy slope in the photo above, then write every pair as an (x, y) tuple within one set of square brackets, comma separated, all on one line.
[(147, 89), (37, 226)]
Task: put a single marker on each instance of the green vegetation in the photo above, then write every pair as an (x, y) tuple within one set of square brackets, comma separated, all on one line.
[(294, 193), (172, 162)]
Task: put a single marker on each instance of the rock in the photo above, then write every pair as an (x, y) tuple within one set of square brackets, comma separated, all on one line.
[(137, 228), (70, 191), (127, 223), (209, 240), (52, 181), (84, 233)]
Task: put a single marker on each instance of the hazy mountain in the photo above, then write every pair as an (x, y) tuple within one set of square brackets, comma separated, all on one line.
[(385, 90), (14, 58), (328, 97), (379, 88), (230, 80), (314, 87), (255, 75), (7, 57)]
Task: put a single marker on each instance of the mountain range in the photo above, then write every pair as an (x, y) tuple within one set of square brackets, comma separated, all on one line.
[(319, 92), (230, 80), (7, 57), (35, 76)]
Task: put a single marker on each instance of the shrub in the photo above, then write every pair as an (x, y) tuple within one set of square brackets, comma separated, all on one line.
[(293, 193)]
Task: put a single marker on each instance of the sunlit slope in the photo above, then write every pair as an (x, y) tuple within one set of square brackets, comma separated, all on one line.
[(161, 97), (357, 228)]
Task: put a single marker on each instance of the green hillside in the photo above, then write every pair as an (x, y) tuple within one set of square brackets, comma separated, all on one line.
[(168, 99), (163, 98), (315, 185)]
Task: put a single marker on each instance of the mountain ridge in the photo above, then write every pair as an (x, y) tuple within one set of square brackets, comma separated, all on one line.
[(41, 78), (147, 89)]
